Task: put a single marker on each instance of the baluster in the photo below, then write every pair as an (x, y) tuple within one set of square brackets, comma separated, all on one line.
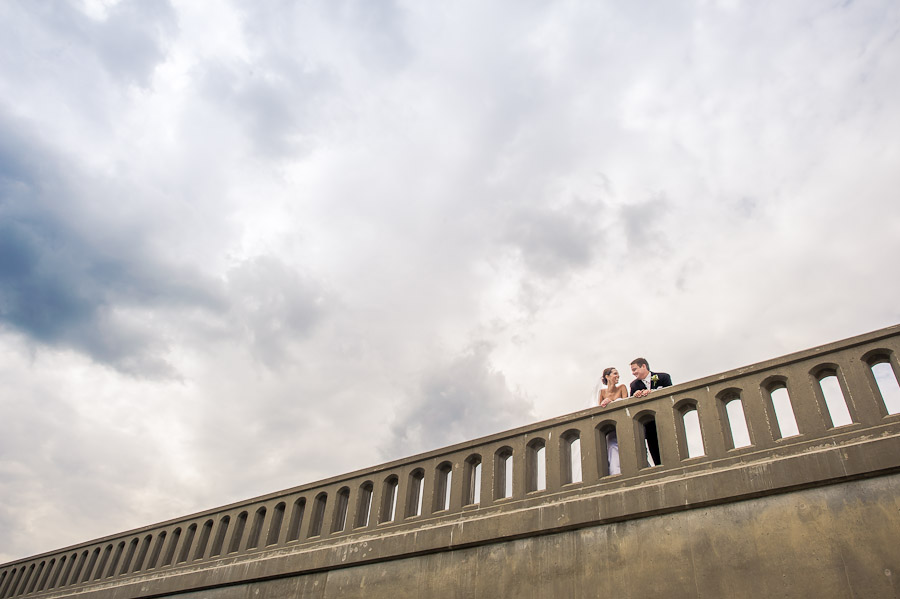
[(328, 513), (519, 465), (175, 549), (402, 508), (807, 409), (456, 482), (430, 469), (553, 460), (865, 404), (205, 536), (713, 422), (488, 473), (759, 413), (666, 431), (628, 439), (590, 454)]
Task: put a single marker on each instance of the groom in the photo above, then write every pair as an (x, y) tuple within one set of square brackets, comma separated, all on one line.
[(645, 381)]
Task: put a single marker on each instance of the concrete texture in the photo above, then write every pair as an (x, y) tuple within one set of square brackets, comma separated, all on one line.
[(808, 515), (835, 541)]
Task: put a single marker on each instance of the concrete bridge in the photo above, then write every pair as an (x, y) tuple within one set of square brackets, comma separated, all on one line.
[(778, 479)]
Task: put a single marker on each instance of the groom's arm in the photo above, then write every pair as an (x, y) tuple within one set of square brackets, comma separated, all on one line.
[(634, 386)]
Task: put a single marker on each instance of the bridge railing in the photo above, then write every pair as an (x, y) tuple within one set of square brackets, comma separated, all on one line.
[(785, 405)]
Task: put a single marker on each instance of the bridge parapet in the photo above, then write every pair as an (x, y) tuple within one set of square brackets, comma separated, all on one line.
[(811, 418)]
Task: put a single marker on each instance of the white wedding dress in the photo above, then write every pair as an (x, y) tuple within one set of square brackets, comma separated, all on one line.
[(612, 441), (612, 453)]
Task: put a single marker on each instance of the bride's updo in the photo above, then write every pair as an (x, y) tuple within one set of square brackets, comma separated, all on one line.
[(606, 372)]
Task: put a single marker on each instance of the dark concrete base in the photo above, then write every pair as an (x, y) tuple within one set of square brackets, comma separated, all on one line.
[(840, 540), (810, 515)]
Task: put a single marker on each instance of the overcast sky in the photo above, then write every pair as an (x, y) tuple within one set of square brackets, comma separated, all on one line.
[(249, 245)]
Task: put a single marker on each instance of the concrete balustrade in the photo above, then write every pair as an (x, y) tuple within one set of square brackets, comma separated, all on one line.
[(422, 503)]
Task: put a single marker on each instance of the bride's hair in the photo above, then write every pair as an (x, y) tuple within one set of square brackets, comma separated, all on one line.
[(606, 372)]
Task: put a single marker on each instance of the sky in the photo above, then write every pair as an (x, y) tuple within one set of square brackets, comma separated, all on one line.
[(249, 245)]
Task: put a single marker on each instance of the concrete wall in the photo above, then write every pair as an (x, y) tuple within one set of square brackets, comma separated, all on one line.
[(338, 534), (835, 541)]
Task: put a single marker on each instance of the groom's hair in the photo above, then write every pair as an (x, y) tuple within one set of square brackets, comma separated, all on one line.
[(641, 362)]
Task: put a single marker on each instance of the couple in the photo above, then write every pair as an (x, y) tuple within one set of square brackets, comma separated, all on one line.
[(644, 382)]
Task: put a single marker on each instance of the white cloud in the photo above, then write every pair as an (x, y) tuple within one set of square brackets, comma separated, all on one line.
[(250, 246), (455, 402)]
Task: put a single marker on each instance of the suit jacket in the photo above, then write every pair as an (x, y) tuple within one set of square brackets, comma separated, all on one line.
[(662, 380)]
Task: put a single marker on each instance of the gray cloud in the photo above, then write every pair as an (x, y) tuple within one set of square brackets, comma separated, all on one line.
[(647, 226), (368, 34), (133, 39), (466, 397), (278, 241), (298, 83), (77, 458), (62, 284), (274, 305), (128, 43), (374, 29), (279, 101), (555, 241)]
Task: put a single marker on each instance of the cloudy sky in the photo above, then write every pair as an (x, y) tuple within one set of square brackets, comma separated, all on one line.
[(248, 245)]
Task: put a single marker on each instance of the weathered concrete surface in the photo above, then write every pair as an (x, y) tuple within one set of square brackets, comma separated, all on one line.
[(854, 457), (836, 541), (813, 514)]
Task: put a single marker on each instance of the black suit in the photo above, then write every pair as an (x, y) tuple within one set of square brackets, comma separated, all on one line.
[(662, 380)]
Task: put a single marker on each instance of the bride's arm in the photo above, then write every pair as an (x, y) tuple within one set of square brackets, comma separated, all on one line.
[(604, 401)]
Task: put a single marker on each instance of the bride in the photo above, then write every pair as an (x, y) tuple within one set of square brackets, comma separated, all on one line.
[(613, 392)]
